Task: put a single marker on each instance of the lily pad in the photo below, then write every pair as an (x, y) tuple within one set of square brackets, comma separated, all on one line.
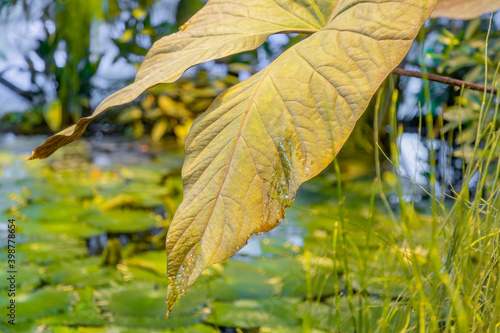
[(46, 252), (125, 221), (293, 276), (272, 312), (170, 161), (137, 300), (323, 316), (43, 302), (29, 276), (143, 305), (297, 329), (83, 272), (252, 284), (138, 274), (80, 329), (148, 195), (155, 324), (154, 261), (199, 328), (54, 212), (79, 230), (85, 312), (43, 190), (150, 173), (33, 232), (19, 327)]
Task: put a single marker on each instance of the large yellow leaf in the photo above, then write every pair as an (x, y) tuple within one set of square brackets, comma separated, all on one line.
[(248, 154), (464, 9), (220, 29)]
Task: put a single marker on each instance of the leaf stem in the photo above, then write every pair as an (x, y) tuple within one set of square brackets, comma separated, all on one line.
[(299, 31), (446, 80)]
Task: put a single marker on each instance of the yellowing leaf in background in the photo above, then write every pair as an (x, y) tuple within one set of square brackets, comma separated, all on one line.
[(166, 104), (464, 9), (159, 129), (139, 13), (127, 36), (52, 113), (182, 131)]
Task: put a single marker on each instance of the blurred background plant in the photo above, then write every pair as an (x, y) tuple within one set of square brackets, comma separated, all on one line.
[(60, 67), (468, 51), (84, 50), (67, 77), (171, 109)]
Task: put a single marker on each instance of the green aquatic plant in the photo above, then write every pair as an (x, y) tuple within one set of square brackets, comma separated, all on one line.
[(247, 155)]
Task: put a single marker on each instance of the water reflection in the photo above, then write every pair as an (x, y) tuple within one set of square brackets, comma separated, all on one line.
[(415, 168)]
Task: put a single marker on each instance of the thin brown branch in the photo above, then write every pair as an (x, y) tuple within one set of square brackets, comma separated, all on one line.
[(446, 80), (24, 94)]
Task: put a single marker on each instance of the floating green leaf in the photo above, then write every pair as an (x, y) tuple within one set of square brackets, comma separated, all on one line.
[(122, 220), (153, 261), (54, 212), (83, 272), (45, 252), (324, 316), (30, 278), (254, 284), (272, 312), (85, 312), (45, 301), (293, 276), (143, 305)]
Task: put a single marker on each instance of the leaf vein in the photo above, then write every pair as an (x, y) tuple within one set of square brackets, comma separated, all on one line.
[(291, 116), (334, 88)]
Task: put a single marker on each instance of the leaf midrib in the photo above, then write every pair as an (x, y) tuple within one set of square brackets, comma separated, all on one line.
[(295, 16), (231, 158)]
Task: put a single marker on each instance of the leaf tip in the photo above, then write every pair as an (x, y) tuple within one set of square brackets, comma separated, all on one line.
[(41, 153), (173, 294), (53, 143), (182, 276), (36, 155)]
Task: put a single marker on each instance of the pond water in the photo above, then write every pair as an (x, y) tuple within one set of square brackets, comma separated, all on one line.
[(91, 226)]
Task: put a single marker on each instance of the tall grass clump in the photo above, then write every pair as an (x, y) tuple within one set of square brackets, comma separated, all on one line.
[(428, 266)]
